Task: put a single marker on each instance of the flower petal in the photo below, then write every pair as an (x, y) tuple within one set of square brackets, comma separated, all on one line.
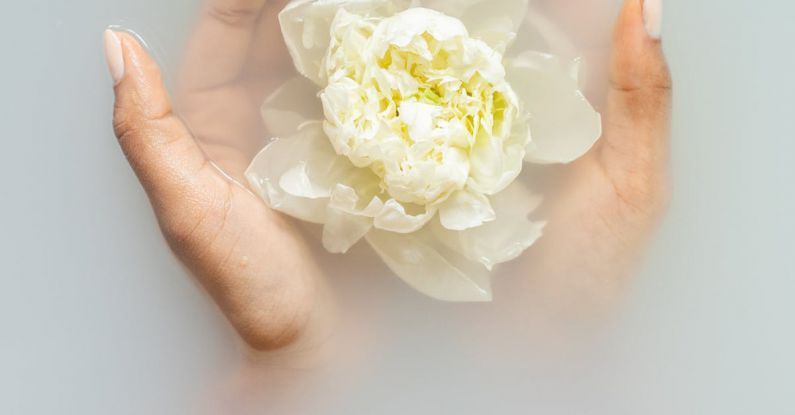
[(395, 218), (465, 210), (539, 33), (347, 222), (296, 175), (431, 268), (306, 27), (503, 239), (495, 164), (401, 29), (291, 105), (297, 182), (343, 230), (494, 22), (563, 124)]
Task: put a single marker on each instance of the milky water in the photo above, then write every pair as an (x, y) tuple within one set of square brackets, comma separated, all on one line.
[(98, 317)]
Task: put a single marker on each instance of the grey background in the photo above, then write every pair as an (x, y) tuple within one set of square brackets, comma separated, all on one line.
[(98, 318)]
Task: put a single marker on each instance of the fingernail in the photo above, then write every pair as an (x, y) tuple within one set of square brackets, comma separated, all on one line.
[(652, 16), (114, 56)]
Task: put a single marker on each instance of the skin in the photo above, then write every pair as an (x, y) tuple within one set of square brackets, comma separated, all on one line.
[(256, 264), (614, 197)]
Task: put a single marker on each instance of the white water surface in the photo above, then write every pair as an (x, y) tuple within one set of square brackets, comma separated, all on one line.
[(97, 317)]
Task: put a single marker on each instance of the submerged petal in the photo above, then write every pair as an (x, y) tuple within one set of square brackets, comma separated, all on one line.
[(297, 181), (343, 230), (503, 239), (290, 106), (431, 268), (347, 220), (296, 175), (539, 33), (563, 124), (306, 27), (494, 22)]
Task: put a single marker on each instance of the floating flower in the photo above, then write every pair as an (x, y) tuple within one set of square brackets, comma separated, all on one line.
[(408, 129)]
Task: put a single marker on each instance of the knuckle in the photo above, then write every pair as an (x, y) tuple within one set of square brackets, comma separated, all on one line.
[(661, 82), (134, 122), (183, 221), (122, 126), (192, 217), (650, 102), (644, 81), (126, 121)]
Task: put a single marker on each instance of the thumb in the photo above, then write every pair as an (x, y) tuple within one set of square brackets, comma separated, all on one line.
[(157, 144), (637, 122)]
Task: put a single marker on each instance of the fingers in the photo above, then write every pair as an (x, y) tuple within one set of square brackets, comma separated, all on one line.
[(269, 55), (221, 43), (639, 99), (157, 144)]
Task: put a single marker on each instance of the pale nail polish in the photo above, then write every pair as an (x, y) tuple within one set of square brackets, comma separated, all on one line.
[(114, 56), (652, 16)]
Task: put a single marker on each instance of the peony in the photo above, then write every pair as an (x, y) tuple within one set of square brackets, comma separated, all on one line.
[(409, 129)]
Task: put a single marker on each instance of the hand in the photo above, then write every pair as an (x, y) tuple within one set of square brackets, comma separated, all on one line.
[(613, 198), (250, 259), (254, 262)]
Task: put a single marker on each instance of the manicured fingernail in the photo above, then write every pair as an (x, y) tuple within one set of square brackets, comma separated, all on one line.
[(114, 56), (652, 16)]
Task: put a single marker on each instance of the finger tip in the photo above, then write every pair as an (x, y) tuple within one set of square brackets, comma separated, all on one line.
[(138, 63), (652, 18), (130, 43), (637, 42), (640, 20)]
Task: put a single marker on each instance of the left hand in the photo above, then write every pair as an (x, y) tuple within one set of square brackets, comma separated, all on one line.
[(614, 197)]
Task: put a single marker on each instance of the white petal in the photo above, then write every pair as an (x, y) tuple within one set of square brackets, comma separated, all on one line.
[(465, 210), (394, 218), (297, 182), (343, 230), (401, 29), (563, 124), (347, 199), (291, 105), (496, 22), (431, 268), (539, 33), (306, 27), (347, 222), (419, 118), (296, 175), (503, 239), (494, 165)]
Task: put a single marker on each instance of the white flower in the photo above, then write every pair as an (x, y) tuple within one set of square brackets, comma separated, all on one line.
[(418, 135)]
